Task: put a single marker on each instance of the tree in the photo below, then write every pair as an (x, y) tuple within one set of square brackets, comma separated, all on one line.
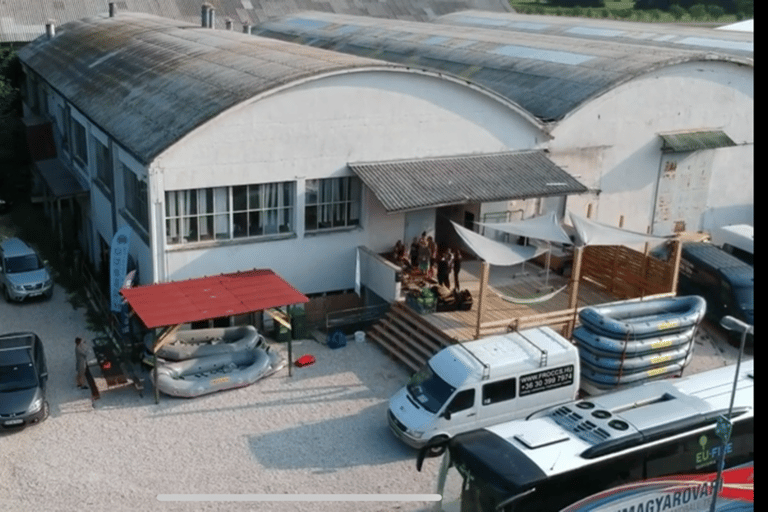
[(698, 11), (677, 12)]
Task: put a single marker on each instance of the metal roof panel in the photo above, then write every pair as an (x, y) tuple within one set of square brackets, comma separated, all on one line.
[(149, 81), (412, 184)]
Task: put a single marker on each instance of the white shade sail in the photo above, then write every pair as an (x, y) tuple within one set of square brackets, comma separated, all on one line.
[(493, 252), (595, 233), (544, 227)]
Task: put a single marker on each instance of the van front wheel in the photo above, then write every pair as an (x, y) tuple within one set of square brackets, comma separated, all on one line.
[(437, 446)]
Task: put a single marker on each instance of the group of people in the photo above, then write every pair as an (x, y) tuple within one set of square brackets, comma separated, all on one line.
[(425, 258)]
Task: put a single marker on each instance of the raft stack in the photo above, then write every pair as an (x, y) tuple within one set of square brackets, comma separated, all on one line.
[(630, 342)]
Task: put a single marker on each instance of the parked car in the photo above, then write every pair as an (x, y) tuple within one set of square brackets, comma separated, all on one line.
[(22, 274), (23, 377)]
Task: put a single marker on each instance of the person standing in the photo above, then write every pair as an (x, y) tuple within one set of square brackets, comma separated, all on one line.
[(81, 359), (456, 267), (443, 272), (415, 253), (424, 256), (432, 255)]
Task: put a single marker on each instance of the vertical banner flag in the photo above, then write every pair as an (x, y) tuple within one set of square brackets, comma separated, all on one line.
[(118, 265)]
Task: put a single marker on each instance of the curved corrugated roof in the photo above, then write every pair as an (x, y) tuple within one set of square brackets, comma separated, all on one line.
[(660, 35), (149, 81), (547, 74), (24, 20)]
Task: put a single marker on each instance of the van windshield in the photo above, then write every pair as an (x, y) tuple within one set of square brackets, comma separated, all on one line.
[(429, 389), (25, 263)]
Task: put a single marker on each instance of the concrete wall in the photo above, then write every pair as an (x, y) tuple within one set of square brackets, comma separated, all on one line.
[(312, 130), (612, 144)]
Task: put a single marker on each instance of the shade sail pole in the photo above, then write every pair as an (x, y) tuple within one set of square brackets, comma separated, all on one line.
[(573, 299), (484, 270)]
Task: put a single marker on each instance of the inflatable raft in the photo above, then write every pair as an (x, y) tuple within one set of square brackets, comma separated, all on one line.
[(611, 347), (209, 342), (209, 374), (644, 319), (613, 364), (600, 379)]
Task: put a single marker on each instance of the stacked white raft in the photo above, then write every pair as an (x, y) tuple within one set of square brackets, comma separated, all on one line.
[(205, 361), (631, 342)]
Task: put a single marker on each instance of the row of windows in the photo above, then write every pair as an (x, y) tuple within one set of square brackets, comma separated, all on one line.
[(226, 213), (221, 213), (493, 393), (74, 138)]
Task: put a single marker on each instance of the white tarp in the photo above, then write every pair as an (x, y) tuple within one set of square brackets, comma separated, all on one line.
[(594, 233), (544, 227), (493, 252)]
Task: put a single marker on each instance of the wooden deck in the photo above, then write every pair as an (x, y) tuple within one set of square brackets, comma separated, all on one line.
[(520, 281)]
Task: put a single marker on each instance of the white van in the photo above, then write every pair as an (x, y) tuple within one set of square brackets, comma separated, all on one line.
[(479, 383), (737, 239)]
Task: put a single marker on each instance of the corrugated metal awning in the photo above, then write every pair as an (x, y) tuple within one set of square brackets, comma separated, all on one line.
[(164, 304), (59, 180), (430, 182), (693, 141)]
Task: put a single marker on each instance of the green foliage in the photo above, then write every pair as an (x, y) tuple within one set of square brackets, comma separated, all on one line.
[(698, 12), (677, 12), (10, 75), (715, 11)]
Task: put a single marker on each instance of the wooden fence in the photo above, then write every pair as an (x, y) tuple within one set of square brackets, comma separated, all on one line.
[(620, 271), (626, 273)]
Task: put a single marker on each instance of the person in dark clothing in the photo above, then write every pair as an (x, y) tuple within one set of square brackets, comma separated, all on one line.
[(415, 253), (456, 268), (443, 274)]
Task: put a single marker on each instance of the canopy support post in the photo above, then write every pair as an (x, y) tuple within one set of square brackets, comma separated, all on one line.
[(484, 270), (573, 299)]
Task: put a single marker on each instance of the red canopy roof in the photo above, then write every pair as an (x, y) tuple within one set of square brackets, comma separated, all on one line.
[(163, 304)]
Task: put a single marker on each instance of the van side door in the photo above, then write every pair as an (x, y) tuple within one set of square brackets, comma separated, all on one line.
[(461, 409), (498, 402)]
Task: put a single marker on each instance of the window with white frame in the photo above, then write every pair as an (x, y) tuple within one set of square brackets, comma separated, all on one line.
[(225, 213), (79, 146), (103, 163), (136, 200), (263, 209), (332, 203)]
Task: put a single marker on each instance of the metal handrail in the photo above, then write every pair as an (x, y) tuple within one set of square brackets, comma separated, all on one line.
[(353, 315)]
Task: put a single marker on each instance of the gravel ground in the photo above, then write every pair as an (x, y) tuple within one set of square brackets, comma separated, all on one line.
[(322, 430)]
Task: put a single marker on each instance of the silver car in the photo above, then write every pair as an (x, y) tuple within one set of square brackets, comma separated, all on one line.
[(22, 274)]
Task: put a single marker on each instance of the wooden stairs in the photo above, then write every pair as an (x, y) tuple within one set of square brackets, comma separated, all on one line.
[(407, 337)]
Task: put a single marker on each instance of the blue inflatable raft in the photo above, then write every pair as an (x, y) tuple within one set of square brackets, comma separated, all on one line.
[(644, 319)]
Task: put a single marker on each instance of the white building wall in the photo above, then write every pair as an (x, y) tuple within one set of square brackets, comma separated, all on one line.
[(612, 145), (313, 130)]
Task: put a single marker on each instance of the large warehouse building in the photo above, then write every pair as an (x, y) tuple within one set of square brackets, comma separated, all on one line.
[(223, 151)]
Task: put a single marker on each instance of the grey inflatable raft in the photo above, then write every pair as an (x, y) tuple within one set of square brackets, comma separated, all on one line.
[(209, 374), (644, 319), (210, 342)]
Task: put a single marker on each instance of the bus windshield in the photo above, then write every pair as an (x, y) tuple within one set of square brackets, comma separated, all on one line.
[(429, 389)]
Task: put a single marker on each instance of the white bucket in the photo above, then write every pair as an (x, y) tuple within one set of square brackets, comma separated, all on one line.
[(359, 336)]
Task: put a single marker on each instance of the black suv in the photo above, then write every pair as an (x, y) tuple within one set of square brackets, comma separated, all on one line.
[(23, 376)]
